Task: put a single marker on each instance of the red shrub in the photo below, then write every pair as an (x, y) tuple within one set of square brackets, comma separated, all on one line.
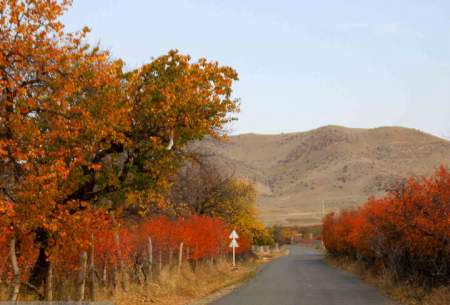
[(408, 231), (205, 237)]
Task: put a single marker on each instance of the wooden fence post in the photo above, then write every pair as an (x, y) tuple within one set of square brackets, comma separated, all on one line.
[(180, 257), (48, 288), (150, 259), (160, 260), (81, 281), (16, 270), (116, 237), (91, 272), (105, 272), (170, 257)]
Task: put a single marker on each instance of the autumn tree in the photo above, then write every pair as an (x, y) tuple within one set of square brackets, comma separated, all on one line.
[(202, 187), (77, 133)]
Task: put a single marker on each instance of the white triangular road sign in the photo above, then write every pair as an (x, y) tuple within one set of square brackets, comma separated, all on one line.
[(234, 235), (234, 244)]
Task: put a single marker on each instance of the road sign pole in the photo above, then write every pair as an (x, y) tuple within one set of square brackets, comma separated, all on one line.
[(234, 245), (234, 256)]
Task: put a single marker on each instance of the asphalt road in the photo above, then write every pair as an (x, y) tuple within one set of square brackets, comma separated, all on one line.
[(303, 278)]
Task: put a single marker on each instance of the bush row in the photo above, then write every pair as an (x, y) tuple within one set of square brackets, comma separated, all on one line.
[(406, 232), (138, 248)]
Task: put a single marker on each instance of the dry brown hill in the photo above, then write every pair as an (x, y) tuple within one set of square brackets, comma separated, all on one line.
[(332, 166)]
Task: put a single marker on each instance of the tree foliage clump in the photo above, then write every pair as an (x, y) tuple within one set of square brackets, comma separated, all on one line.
[(81, 140), (407, 232), (203, 188)]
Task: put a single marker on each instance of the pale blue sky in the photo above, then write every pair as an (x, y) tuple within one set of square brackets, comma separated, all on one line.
[(302, 64)]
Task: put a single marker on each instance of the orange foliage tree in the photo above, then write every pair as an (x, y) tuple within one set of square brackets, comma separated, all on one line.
[(80, 138)]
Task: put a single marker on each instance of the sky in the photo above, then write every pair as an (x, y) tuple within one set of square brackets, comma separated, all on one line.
[(301, 64)]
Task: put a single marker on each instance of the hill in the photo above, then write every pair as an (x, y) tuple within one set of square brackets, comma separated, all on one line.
[(301, 175)]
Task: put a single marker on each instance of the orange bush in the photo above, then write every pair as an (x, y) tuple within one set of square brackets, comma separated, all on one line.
[(204, 238), (407, 231)]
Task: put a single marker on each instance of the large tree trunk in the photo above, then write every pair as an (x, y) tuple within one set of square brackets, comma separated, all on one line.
[(16, 271), (39, 272)]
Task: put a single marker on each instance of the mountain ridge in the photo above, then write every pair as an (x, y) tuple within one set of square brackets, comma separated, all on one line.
[(335, 166)]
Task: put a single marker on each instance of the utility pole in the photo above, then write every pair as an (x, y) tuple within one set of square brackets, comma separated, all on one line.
[(323, 208), (323, 216)]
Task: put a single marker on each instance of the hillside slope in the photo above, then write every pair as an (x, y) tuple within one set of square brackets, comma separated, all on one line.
[(332, 166)]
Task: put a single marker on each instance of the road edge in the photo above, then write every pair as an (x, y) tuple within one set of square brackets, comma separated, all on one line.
[(231, 286)]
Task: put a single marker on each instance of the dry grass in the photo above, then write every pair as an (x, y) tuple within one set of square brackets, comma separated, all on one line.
[(177, 289), (194, 286), (405, 293), (4, 292), (171, 288), (200, 287)]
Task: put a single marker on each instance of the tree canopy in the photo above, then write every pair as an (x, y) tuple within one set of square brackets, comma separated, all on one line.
[(78, 132)]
